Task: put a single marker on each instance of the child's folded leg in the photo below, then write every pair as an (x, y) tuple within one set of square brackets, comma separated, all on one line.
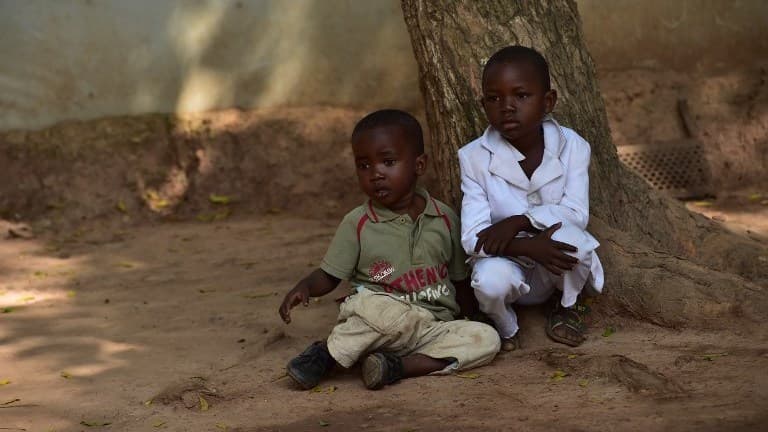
[(565, 322), (379, 323), (589, 270), (498, 282), (465, 344), (442, 347), (371, 321)]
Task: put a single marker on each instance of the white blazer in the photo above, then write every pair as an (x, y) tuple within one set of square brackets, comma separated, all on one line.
[(495, 186)]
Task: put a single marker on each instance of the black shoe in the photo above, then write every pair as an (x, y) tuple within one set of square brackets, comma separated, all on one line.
[(380, 369), (309, 367)]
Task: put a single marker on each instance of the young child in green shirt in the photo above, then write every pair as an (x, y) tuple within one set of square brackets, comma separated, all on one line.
[(401, 251)]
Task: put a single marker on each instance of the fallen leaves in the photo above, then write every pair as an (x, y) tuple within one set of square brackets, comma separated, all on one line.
[(120, 206), (711, 357), (159, 424), (6, 310), (94, 423), (65, 375), (213, 217), (558, 375), (203, 403), (470, 375), (609, 331), (219, 199), (326, 390), (155, 201), (259, 295), (323, 423), (4, 382)]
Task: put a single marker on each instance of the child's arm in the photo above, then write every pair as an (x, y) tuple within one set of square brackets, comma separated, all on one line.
[(545, 251), (339, 263), (573, 207), (465, 297), (317, 284), (475, 208), (495, 238)]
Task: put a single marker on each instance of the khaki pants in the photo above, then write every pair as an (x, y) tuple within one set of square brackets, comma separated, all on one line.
[(371, 321)]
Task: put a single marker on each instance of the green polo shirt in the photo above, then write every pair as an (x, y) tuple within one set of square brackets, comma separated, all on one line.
[(383, 251)]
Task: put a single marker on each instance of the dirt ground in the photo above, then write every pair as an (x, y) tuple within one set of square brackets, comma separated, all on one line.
[(131, 301), (174, 326)]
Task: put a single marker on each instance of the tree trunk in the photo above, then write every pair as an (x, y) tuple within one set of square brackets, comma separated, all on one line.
[(663, 263)]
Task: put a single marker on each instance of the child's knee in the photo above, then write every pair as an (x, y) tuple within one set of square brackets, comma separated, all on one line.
[(494, 278), (488, 339), (485, 344), (576, 237)]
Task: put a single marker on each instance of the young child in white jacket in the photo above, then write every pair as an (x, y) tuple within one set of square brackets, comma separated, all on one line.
[(526, 202)]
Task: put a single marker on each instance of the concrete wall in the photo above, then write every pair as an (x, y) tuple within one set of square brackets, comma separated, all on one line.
[(680, 35), (83, 59)]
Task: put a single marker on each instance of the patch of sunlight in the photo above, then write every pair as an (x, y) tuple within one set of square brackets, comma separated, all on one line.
[(12, 296), (192, 27), (108, 354), (288, 46), (205, 89), (35, 273)]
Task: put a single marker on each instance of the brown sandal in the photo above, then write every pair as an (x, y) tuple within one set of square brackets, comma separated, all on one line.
[(512, 343), (568, 320)]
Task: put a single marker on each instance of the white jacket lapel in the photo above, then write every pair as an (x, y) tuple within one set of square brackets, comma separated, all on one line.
[(505, 159), (551, 168)]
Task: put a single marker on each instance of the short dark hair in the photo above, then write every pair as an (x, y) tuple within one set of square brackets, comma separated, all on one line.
[(392, 117), (519, 53)]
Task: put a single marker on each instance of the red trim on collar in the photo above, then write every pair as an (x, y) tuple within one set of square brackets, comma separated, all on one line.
[(373, 213), (360, 224), (441, 214)]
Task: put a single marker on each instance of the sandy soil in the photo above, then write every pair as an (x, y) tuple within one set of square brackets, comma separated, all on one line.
[(174, 327), (143, 305)]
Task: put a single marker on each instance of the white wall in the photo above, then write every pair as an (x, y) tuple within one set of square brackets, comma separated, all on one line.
[(82, 59)]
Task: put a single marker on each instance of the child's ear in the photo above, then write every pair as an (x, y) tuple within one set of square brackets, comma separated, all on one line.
[(421, 164), (550, 100)]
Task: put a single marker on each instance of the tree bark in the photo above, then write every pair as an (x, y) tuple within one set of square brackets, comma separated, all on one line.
[(663, 263)]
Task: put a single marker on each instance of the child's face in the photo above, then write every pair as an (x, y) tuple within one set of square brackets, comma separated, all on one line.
[(387, 166), (515, 100)]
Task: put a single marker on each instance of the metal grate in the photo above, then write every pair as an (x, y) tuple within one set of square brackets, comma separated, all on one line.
[(676, 167)]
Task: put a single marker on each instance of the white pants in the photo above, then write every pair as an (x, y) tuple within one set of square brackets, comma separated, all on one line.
[(499, 282)]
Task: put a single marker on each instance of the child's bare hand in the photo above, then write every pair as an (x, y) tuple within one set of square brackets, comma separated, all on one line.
[(551, 253), (299, 294), (495, 239)]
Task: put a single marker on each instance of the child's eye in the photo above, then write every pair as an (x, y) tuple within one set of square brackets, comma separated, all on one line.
[(523, 95), (363, 165), (492, 98), (389, 162)]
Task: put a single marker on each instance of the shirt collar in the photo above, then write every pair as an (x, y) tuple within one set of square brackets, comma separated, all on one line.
[(554, 140), (505, 158), (378, 213)]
